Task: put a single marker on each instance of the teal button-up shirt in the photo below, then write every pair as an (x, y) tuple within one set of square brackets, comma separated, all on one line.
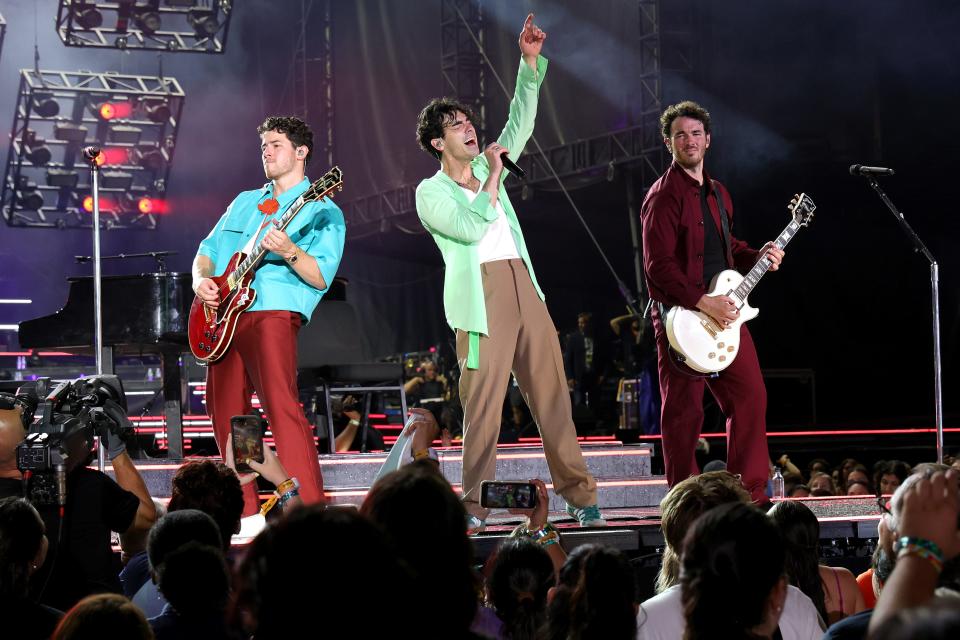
[(318, 229)]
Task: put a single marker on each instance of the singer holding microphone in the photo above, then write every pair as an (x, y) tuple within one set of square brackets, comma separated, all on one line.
[(491, 296)]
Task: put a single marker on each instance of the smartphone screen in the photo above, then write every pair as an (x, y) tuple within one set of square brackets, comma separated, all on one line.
[(247, 440), (507, 495)]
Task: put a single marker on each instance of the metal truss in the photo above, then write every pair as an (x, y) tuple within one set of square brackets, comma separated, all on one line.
[(133, 119), (314, 84), (637, 149), (3, 31), (197, 26), (461, 65)]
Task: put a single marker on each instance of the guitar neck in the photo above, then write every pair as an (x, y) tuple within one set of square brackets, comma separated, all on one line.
[(252, 260), (763, 264)]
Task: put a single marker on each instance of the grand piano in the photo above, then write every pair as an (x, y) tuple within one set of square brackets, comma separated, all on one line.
[(148, 313), (144, 313)]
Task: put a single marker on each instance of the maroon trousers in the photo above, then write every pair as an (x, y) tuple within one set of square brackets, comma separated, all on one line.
[(742, 397), (263, 357)]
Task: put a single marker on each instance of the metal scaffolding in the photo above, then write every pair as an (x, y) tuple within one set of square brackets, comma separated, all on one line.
[(638, 149), (193, 26), (134, 121), (313, 77), (3, 31), (462, 68)]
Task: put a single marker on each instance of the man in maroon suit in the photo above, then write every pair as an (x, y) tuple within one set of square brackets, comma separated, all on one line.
[(686, 219)]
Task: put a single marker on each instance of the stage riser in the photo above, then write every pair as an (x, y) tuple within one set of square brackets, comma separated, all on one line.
[(608, 497), (631, 461)]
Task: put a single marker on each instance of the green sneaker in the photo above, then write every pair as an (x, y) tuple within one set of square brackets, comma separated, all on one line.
[(587, 516), (475, 524)]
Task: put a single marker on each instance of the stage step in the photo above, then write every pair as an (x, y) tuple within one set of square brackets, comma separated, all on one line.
[(622, 473), (514, 462), (612, 493)]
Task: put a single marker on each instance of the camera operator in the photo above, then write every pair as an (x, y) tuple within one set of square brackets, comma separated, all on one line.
[(80, 561)]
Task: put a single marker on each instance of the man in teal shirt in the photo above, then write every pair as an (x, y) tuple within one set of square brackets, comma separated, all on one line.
[(491, 296), (292, 278)]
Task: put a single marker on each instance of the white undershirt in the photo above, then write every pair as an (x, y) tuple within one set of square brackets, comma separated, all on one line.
[(497, 243)]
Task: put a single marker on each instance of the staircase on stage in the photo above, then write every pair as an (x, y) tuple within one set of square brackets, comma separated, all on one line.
[(628, 494)]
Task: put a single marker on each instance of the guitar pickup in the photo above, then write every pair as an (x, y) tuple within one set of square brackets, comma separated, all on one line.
[(711, 327)]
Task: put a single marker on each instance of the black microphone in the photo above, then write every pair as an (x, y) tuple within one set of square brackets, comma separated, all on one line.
[(860, 170), (91, 152), (511, 165)]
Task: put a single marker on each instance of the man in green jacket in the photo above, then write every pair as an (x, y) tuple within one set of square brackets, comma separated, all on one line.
[(491, 296)]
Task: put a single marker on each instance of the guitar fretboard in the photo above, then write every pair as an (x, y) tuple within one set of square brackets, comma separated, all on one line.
[(257, 254), (763, 264)]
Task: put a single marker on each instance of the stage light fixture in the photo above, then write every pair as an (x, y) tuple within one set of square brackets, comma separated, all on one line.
[(124, 134), (69, 132), (38, 153), (113, 156), (134, 119), (199, 26), (116, 180), (62, 178), (44, 105), (88, 17), (28, 196), (204, 22), (147, 21), (148, 157)]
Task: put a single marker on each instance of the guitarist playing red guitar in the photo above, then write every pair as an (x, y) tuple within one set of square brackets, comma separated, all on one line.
[(293, 259)]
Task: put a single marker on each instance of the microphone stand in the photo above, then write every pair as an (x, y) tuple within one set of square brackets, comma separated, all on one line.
[(97, 305), (935, 293)]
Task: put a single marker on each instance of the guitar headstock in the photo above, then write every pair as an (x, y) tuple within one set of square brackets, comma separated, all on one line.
[(801, 207), (330, 181)]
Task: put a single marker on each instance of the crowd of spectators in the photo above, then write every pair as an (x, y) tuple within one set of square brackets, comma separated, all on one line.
[(402, 565)]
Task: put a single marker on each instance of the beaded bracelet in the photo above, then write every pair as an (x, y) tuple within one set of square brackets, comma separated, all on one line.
[(926, 549), (550, 538)]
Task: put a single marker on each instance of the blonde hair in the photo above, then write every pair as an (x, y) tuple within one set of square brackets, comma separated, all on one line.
[(680, 508)]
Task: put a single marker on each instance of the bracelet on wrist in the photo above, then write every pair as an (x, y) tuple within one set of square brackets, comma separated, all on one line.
[(922, 548)]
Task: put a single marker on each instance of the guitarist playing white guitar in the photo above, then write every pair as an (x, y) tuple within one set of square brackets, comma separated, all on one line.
[(288, 238), (686, 219)]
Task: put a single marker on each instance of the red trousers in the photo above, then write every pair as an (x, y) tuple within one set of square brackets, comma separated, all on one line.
[(742, 397), (263, 357)]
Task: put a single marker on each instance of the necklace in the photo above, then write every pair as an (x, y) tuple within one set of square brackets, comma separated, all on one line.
[(465, 186)]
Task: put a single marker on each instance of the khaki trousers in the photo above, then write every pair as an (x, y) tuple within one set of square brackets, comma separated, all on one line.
[(523, 339)]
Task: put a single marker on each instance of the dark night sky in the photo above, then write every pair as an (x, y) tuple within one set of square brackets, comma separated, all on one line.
[(799, 90)]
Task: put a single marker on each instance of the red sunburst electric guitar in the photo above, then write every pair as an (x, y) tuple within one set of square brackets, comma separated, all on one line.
[(211, 330)]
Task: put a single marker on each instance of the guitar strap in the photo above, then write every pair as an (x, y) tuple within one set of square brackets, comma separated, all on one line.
[(724, 222)]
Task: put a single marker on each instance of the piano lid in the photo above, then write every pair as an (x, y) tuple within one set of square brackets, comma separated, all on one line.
[(144, 309)]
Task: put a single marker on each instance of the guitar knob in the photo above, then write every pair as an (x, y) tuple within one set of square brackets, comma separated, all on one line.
[(200, 346), (206, 334), (719, 345), (214, 338), (722, 358), (711, 355), (730, 349)]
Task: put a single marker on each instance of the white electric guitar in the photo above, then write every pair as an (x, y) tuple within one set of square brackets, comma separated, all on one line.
[(700, 342)]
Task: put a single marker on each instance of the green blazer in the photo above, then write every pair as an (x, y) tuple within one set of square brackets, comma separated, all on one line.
[(457, 224)]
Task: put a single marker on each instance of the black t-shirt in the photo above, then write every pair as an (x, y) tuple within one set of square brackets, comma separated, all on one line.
[(85, 562), (714, 253)]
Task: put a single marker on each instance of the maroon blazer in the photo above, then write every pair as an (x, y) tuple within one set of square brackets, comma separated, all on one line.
[(672, 221)]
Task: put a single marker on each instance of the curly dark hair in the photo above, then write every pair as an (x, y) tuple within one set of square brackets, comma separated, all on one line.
[(685, 109), (211, 487), (296, 130), (434, 116)]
